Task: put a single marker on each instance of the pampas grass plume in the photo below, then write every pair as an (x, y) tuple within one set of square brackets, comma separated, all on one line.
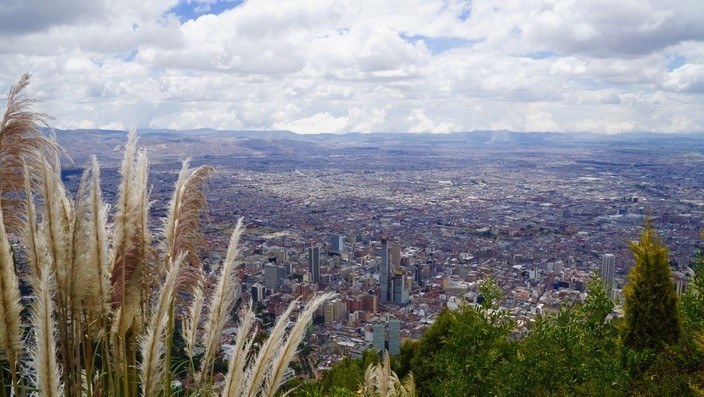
[(48, 378), (153, 344), (10, 333), (221, 303)]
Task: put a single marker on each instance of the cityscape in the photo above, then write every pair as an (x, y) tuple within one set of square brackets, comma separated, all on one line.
[(402, 229)]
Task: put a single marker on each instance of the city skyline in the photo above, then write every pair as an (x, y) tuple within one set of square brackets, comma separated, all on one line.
[(310, 67)]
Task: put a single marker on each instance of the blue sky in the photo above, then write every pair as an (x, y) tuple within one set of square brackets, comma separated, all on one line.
[(359, 65), (191, 10)]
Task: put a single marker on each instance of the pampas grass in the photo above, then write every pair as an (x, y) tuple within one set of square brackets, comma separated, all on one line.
[(189, 328), (105, 308), (155, 339), (182, 224), (220, 304), (10, 308), (235, 384), (22, 145), (48, 375), (289, 347), (91, 245), (381, 381)]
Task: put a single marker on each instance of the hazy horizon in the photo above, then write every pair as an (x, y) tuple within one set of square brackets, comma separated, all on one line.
[(356, 66)]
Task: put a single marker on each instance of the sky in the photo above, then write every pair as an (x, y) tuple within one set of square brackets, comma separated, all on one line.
[(312, 66)]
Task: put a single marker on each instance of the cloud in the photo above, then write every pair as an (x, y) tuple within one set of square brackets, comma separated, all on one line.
[(317, 123), (353, 65), (686, 78), (419, 122), (26, 16)]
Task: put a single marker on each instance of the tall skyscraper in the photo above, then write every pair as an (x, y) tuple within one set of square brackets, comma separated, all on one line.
[(337, 244), (379, 341), (395, 256), (608, 262), (392, 280), (271, 277), (394, 337), (397, 287), (314, 263), (385, 271)]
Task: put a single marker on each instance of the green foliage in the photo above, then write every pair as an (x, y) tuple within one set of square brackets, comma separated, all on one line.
[(401, 364), (569, 353), (346, 376), (692, 304), (650, 302), (464, 350)]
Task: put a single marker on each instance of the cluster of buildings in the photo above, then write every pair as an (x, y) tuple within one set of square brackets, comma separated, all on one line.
[(402, 233)]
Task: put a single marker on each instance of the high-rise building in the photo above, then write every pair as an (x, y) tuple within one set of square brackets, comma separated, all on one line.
[(337, 244), (394, 337), (314, 263), (257, 292), (329, 311), (418, 275), (369, 303), (379, 341), (608, 263), (283, 270), (395, 256), (271, 276), (392, 280), (398, 286), (385, 272)]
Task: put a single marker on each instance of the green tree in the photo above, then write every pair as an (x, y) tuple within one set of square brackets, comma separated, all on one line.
[(401, 364), (692, 303), (345, 376), (569, 352), (651, 315), (463, 351)]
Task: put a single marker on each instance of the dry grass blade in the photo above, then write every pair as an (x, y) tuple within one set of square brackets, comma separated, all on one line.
[(126, 240), (182, 228), (56, 225), (384, 376), (260, 370), (234, 381), (153, 344), (409, 386), (91, 267), (221, 303), (48, 379), (171, 220), (10, 332), (190, 325), (290, 346), (132, 243), (380, 380), (369, 381), (21, 144), (35, 250)]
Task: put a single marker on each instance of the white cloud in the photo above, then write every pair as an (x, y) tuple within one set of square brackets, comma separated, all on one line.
[(317, 123), (687, 78), (419, 122), (335, 66)]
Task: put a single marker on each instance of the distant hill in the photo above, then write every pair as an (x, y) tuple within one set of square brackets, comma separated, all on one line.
[(171, 145)]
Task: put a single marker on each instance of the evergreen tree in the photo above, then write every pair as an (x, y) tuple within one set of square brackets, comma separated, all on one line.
[(650, 303)]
